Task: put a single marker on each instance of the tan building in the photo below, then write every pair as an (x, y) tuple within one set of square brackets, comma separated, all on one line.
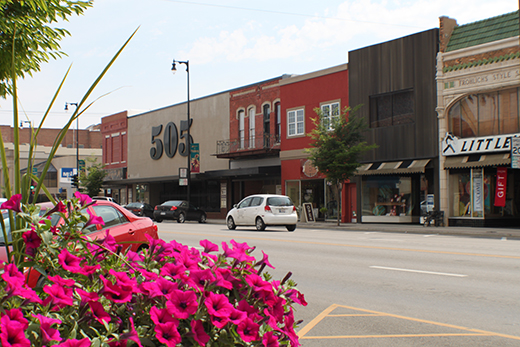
[(64, 163), (478, 86)]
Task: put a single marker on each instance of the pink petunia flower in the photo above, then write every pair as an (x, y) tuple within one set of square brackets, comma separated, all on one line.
[(76, 343), (269, 340), (248, 330), (198, 333), (168, 334), (32, 241), (12, 333), (174, 271), (117, 293), (15, 314), (13, 276), (93, 220), (265, 260), (13, 203), (69, 262), (237, 316), (87, 297), (59, 296), (218, 305), (296, 296), (199, 278), (62, 281), (161, 315), (98, 312), (208, 246), (219, 322), (84, 199), (239, 254), (47, 332), (182, 304)]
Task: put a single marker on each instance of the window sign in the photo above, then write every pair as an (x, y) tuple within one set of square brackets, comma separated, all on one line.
[(430, 202), (478, 192)]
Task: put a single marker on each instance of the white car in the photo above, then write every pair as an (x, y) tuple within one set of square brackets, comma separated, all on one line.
[(261, 210)]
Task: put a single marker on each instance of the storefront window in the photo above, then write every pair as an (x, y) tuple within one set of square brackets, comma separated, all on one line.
[(141, 193), (474, 194), (387, 199), (331, 198)]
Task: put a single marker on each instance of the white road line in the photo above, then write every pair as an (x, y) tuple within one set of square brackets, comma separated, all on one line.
[(417, 271)]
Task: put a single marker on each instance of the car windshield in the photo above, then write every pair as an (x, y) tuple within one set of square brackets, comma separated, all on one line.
[(279, 201), (134, 204)]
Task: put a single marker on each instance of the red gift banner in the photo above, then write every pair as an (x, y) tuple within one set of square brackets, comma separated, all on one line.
[(500, 192)]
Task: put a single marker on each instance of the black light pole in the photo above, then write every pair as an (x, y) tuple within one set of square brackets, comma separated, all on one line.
[(188, 141), (77, 136)]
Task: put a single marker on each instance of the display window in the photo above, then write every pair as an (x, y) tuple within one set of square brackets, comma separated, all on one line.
[(387, 199), (474, 194)]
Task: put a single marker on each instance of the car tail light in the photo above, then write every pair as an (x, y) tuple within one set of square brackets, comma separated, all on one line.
[(155, 208), (267, 208), (173, 208), (294, 208)]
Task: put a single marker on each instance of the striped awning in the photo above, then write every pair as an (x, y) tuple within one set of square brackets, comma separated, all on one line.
[(393, 167), (466, 161)]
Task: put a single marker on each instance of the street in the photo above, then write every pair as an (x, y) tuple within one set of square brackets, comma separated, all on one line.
[(387, 289)]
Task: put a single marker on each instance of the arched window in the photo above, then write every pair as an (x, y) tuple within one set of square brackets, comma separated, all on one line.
[(485, 114)]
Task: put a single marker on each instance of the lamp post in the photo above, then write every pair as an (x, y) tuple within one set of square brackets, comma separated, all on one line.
[(188, 140), (77, 136)]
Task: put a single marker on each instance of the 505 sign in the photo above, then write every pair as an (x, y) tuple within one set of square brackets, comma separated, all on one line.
[(169, 142)]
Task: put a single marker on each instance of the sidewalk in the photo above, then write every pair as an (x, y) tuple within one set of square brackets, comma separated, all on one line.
[(510, 233)]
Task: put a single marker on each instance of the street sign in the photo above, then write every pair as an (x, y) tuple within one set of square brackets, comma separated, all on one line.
[(81, 165)]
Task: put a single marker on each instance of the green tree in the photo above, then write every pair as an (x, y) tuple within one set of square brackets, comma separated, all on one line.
[(25, 29), (92, 178), (337, 146)]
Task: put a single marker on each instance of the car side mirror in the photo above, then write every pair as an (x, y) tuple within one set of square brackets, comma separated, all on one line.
[(235, 206)]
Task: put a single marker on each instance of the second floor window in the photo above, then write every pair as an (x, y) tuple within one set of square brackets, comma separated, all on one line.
[(295, 122), (392, 109), (330, 112), (278, 116), (251, 127), (241, 130)]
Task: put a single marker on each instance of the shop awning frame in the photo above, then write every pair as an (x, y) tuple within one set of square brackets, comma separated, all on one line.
[(393, 167), (466, 161)]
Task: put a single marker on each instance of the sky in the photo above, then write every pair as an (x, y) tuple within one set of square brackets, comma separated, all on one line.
[(229, 44)]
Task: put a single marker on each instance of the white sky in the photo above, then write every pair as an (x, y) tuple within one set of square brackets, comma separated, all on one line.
[(229, 43)]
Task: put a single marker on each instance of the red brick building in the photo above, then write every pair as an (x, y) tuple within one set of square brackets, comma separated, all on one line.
[(301, 181)]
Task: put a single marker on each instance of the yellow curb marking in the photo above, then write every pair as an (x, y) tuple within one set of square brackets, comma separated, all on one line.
[(349, 245), (327, 311)]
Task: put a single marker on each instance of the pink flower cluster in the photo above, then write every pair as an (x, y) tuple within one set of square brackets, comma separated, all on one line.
[(168, 294)]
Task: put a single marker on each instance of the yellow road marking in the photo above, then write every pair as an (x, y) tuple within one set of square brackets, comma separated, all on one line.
[(327, 313), (352, 246)]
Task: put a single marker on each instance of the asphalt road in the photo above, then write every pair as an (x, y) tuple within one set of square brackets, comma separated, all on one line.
[(369, 288)]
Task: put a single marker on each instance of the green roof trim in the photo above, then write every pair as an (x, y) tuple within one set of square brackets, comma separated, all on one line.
[(484, 31), (515, 55)]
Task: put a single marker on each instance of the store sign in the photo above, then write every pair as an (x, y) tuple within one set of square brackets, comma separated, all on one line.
[(500, 192), (515, 152), (195, 158), (171, 140), (66, 174), (452, 145), (483, 79)]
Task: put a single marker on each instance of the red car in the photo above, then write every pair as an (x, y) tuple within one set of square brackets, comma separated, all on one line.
[(127, 228)]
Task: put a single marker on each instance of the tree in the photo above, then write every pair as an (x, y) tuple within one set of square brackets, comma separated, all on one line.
[(337, 146), (92, 178), (25, 30)]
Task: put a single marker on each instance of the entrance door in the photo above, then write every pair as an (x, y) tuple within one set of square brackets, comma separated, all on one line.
[(351, 204)]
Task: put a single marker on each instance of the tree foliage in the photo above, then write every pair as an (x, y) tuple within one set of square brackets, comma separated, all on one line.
[(25, 29), (93, 178), (336, 151)]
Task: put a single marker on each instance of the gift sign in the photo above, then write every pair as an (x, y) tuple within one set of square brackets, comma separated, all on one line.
[(500, 192)]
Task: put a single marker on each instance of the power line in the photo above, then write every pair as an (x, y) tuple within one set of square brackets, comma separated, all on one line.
[(288, 13)]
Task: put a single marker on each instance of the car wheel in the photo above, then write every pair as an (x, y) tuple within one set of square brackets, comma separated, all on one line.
[(158, 220), (231, 223), (141, 248), (291, 227), (260, 225), (181, 218), (202, 218)]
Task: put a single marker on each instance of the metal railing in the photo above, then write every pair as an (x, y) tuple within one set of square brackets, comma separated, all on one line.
[(266, 141)]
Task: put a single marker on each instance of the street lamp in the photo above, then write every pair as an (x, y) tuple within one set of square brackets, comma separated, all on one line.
[(77, 135), (188, 141)]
